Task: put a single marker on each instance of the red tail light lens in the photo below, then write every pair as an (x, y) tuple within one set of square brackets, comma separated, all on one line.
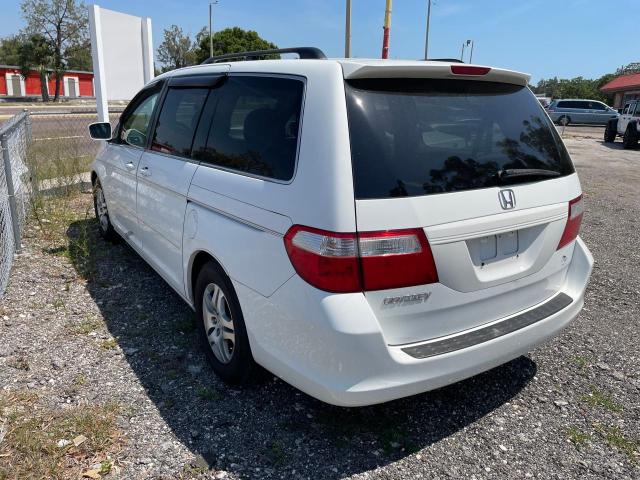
[(469, 70), (350, 262), (572, 228)]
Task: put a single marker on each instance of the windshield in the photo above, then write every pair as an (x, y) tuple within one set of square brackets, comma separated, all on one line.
[(414, 137)]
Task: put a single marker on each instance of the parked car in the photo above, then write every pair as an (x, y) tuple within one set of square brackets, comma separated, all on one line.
[(364, 229), (564, 112), (627, 125)]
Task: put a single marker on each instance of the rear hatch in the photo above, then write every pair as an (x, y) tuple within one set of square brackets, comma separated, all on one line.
[(478, 167)]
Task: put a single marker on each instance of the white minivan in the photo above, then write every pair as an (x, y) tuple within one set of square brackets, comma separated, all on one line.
[(363, 229)]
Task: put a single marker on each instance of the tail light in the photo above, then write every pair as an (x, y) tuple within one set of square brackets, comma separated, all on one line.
[(572, 228), (353, 262)]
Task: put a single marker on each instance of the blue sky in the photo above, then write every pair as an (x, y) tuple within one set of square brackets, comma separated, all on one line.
[(546, 38)]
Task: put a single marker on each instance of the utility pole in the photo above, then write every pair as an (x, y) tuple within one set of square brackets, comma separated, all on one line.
[(471, 56), (347, 31), (386, 30), (462, 53), (211, 4), (426, 42)]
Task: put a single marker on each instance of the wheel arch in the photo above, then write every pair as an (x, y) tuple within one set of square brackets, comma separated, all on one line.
[(197, 260)]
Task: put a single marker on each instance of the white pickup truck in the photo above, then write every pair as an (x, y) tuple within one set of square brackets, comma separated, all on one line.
[(627, 125)]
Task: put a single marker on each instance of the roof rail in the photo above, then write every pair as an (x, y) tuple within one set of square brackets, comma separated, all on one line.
[(303, 53), (452, 60)]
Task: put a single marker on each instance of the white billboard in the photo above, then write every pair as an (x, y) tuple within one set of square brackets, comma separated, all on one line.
[(122, 53)]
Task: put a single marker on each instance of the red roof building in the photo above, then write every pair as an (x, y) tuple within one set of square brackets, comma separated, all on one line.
[(624, 88), (74, 83)]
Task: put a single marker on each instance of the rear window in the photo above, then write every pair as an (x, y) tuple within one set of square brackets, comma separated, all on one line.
[(412, 137)]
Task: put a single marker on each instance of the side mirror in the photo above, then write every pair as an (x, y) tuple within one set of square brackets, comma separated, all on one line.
[(100, 131), (135, 138)]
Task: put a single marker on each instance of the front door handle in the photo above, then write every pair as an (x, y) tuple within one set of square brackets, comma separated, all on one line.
[(145, 172), (130, 165)]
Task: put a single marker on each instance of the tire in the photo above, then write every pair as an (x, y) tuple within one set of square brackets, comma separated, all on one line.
[(610, 132), (561, 120), (630, 138), (102, 213), (222, 329)]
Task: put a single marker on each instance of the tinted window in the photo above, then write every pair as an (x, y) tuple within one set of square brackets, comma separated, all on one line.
[(178, 120), (136, 120), (414, 137), (255, 126), (598, 106), (565, 105)]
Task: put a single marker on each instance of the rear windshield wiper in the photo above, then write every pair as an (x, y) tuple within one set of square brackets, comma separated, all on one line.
[(518, 174)]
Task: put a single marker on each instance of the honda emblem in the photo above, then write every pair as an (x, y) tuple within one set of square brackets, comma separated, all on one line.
[(507, 199)]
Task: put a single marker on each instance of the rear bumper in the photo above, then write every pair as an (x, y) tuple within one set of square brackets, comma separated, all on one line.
[(331, 346)]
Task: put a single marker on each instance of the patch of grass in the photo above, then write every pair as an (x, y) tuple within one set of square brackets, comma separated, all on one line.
[(581, 362), (58, 304), (19, 362), (80, 380), (109, 344), (598, 398), (275, 453), (30, 447), (87, 325), (616, 438), (185, 325), (577, 436), (209, 394), (394, 438)]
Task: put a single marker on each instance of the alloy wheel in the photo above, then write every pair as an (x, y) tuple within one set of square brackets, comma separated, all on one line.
[(218, 322), (101, 209)]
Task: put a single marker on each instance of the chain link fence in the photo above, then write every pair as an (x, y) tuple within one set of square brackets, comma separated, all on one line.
[(44, 153), (61, 151), (15, 189)]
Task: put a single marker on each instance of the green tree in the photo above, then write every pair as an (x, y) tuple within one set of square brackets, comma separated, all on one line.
[(36, 53), (230, 40), (10, 50), (176, 50), (63, 22)]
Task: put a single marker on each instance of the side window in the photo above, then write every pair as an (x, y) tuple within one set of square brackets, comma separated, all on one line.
[(255, 126), (178, 120), (637, 111), (599, 106), (564, 105), (626, 109), (135, 123)]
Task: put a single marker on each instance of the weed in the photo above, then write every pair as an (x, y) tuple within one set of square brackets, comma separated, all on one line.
[(58, 304), (86, 325), (185, 325), (80, 380), (30, 447), (616, 438), (581, 362), (598, 398), (109, 344), (275, 453), (209, 394), (577, 436)]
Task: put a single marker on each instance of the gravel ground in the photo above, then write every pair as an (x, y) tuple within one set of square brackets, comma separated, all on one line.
[(568, 410)]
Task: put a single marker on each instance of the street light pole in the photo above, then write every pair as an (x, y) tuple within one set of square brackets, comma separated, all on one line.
[(211, 4), (347, 31), (471, 56), (426, 42), (386, 30)]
